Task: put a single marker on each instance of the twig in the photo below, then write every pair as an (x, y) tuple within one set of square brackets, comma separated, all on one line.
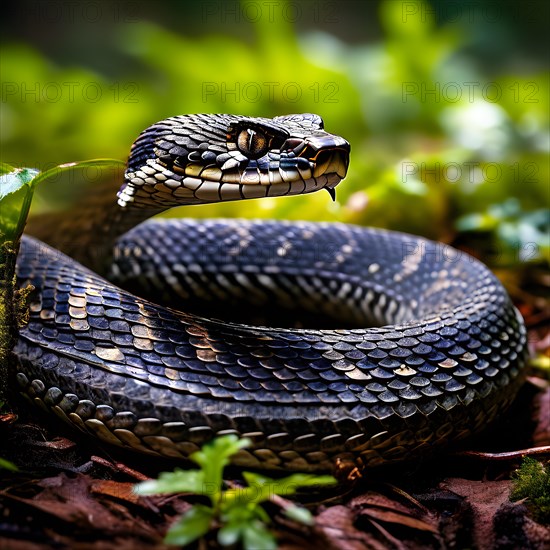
[(508, 455)]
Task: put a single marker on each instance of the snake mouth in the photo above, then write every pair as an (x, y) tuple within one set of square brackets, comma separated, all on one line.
[(313, 164), (331, 161), (327, 154)]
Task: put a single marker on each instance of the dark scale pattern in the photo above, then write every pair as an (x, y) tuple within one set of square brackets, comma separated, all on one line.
[(140, 375), (350, 274)]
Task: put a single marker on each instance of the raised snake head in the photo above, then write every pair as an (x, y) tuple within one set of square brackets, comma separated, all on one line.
[(193, 159)]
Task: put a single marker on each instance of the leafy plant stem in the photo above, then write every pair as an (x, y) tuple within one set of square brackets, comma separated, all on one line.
[(12, 301)]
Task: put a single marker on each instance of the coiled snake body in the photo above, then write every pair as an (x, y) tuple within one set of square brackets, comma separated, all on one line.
[(442, 357)]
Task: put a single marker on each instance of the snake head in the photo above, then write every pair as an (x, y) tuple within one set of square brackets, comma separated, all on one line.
[(193, 159)]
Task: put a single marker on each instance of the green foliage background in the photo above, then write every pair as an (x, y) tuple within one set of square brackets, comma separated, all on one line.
[(447, 113)]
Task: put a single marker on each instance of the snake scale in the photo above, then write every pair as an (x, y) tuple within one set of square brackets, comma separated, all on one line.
[(440, 355)]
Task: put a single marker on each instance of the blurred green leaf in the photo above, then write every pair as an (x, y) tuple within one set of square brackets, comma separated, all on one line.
[(7, 465), (178, 481), (286, 486), (213, 458), (257, 536), (248, 524), (191, 526), (299, 514), (518, 236)]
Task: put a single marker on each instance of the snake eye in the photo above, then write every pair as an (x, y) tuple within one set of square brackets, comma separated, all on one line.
[(252, 143)]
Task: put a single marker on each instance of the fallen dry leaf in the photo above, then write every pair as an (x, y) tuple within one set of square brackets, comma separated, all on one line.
[(485, 498), (336, 524), (382, 508)]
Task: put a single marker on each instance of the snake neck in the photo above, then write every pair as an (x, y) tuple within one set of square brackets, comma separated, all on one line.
[(88, 232), (96, 250)]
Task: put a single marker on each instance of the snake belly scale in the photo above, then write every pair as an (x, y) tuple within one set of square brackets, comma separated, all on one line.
[(442, 354)]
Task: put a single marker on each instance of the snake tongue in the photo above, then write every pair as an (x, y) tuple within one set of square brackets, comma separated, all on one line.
[(332, 193)]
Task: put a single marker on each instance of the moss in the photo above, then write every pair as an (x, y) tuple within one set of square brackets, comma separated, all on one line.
[(7, 310), (532, 483)]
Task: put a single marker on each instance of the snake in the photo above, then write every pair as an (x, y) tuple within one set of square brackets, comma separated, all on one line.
[(422, 346)]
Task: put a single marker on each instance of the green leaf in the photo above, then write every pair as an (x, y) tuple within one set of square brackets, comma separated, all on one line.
[(178, 481), (241, 496), (13, 181), (192, 525), (230, 534), (240, 519), (219, 450), (15, 204), (300, 514), (239, 512), (213, 458), (260, 488), (257, 537), (7, 465), (6, 168), (17, 186)]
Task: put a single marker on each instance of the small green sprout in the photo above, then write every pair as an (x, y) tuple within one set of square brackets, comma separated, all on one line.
[(532, 482), (236, 511)]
